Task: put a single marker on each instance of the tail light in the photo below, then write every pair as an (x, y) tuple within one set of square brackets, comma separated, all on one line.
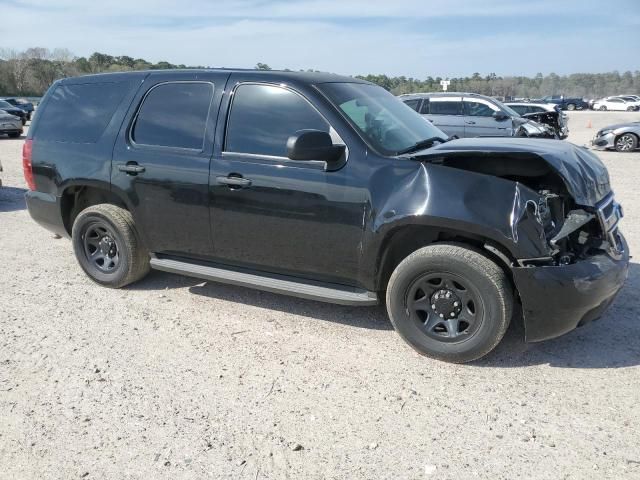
[(26, 164)]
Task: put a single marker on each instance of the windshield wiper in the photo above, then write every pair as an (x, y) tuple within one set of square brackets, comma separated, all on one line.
[(422, 144)]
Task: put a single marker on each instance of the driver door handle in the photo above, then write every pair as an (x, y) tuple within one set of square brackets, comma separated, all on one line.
[(234, 181), (470, 122), (131, 168)]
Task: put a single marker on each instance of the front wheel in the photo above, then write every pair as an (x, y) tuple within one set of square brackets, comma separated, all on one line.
[(603, 108), (450, 302), (107, 246), (571, 107), (626, 143)]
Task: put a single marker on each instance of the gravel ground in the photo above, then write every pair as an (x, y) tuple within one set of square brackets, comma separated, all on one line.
[(178, 378)]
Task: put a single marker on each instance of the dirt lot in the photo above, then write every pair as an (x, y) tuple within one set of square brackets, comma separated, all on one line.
[(178, 378)]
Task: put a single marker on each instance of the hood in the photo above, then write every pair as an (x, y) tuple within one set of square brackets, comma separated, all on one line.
[(584, 175), (622, 125)]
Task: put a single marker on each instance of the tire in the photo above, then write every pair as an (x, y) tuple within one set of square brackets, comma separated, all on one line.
[(631, 109), (571, 106), (14, 135), (417, 302), (521, 134), (626, 142), (107, 246), (603, 108)]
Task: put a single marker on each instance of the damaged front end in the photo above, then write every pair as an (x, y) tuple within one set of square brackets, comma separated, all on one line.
[(564, 213)]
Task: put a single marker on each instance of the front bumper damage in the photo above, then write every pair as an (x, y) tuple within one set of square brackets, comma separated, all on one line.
[(560, 297), (557, 299), (603, 142)]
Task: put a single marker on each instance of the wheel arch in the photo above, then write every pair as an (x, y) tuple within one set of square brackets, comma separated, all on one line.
[(401, 242), (77, 197), (633, 134)]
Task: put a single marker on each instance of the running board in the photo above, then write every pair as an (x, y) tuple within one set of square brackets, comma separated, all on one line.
[(280, 284)]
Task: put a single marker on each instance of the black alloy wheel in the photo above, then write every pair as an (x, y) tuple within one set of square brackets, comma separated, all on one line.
[(445, 306), (100, 247), (107, 246)]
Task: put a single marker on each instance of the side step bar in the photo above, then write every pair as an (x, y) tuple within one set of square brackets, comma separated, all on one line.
[(279, 284)]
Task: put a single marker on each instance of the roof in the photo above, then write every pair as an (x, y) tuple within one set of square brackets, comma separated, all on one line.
[(549, 106), (406, 96), (271, 75)]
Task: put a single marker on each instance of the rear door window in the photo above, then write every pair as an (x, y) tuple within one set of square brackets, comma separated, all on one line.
[(174, 115), (445, 107), (520, 109), (263, 117), (79, 113)]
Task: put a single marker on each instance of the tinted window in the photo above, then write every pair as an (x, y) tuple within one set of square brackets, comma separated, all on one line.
[(476, 109), (263, 117), (79, 113), (425, 106), (445, 107), (413, 103), (174, 115)]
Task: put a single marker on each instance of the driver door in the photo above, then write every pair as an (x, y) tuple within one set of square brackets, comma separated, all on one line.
[(273, 214)]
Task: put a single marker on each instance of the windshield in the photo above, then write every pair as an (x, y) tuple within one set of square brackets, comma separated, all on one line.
[(386, 123), (4, 104)]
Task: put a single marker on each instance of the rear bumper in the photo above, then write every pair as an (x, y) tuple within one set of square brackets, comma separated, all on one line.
[(45, 210), (556, 300)]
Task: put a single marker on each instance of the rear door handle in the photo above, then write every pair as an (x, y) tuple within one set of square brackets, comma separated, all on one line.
[(234, 181), (132, 168)]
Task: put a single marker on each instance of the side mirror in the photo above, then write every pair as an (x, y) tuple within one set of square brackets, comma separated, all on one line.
[(313, 145), (500, 116)]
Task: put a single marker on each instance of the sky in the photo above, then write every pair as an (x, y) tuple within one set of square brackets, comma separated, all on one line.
[(413, 38)]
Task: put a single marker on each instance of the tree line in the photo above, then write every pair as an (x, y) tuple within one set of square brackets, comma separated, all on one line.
[(30, 72)]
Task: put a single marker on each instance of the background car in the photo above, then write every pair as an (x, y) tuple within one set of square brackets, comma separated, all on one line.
[(545, 113), (473, 115), (15, 111), (10, 125), (616, 104), (23, 104), (631, 99), (565, 103), (624, 137)]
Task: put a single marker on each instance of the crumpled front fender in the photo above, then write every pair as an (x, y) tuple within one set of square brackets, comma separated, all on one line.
[(457, 200)]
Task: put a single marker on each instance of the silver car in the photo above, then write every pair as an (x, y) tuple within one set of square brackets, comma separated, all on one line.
[(544, 113), (624, 137), (473, 115), (10, 125)]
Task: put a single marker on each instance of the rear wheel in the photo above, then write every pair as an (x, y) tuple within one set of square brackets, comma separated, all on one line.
[(603, 108), (627, 142), (107, 246), (449, 302), (571, 106)]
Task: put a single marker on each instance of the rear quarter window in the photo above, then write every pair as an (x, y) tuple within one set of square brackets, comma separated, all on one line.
[(79, 113), (174, 115)]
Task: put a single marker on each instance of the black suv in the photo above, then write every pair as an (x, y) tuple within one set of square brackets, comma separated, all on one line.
[(328, 188)]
